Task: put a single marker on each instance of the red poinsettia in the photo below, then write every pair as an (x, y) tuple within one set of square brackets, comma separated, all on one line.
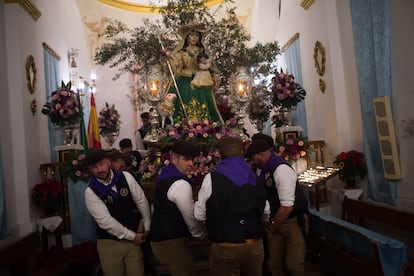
[(48, 195), (351, 163)]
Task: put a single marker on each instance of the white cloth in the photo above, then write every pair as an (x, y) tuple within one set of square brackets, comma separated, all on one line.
[(181, 193), (350, 193), (285, 178), (50, 223), (103, 218)]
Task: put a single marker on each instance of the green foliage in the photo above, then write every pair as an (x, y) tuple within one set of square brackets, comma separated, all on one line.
[(135, 50)]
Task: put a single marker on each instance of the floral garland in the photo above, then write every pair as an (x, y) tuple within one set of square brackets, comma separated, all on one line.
[(63, 108), (109, 120), (76, 167), (286, 92), (48, 195), (151, 166), (351, 164), (291, 150), (205, 132)]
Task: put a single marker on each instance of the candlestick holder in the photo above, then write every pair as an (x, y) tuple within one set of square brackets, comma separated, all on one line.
[(242, 95), (155, 89)]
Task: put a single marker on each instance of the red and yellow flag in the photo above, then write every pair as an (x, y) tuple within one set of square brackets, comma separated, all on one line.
[(94, 139)]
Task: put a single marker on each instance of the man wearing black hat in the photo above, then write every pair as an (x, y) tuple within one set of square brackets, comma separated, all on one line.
[(231, 201), (173, 218), (286, 241), (117, 203)]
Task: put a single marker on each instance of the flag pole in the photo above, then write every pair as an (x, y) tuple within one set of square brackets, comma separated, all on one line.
[(175, 83)]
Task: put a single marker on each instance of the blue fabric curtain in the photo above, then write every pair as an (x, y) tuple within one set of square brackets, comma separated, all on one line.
[(294, 66), (52, 83), (372, 40), (4, 228), (82, 224)]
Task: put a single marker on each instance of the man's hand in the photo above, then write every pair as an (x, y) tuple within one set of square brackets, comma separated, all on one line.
[(139, 238)]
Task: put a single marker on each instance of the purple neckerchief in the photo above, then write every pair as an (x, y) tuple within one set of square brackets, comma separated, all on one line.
[(237, 169), (270, 165), (172, 171), (103, 189)]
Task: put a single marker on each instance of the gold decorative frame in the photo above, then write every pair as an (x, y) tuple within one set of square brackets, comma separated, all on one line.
[(28, 6), (33, 106), (306, 4), (31, 74), (319, 57), (134, 7)]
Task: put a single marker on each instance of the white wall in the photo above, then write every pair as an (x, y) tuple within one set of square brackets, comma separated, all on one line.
[(333, 116)]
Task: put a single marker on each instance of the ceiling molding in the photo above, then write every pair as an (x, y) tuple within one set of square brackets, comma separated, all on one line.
[(28, 6), (133, 7)]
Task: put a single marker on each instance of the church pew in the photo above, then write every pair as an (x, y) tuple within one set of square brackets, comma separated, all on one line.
[(362, 213), (347, 249)]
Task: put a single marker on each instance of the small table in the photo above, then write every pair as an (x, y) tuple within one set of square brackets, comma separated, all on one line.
[(316, 178)]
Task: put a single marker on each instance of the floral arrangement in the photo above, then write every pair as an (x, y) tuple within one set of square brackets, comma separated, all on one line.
[(351, 164), (151, 164), (203, 164), (76, 167), (109, 120), (286, 92), (291, 150), (206, 132), (260, 104), (278, 120), (48, 195), (63, 108)]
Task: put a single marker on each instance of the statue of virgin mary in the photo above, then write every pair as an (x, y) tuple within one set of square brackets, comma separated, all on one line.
[(193, 103)]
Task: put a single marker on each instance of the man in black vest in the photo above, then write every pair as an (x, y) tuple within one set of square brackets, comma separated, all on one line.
[(173, 218), (286, 241), (117, 203), (231, 202)]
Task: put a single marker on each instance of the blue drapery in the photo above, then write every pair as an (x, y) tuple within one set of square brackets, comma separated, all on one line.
[(52, 83), (294, 66), (372, 40), (82, 224), (4, 228)]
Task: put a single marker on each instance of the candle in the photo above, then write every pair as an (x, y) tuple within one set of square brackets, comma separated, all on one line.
[(154, 88), (241, 90)]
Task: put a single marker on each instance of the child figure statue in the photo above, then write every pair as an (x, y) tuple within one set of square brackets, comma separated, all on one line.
[(202, 77)]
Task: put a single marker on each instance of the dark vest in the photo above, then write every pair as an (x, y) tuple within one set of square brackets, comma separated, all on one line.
[(167, 222), (234, 213), (300, 205), (122, 208)]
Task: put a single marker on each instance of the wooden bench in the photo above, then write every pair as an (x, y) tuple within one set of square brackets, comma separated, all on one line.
[(343, 248), (362, 213)]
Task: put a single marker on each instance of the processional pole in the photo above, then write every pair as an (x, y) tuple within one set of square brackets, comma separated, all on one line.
[(175, 83)]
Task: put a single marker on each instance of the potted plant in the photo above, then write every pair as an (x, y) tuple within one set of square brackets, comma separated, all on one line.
[(48, 196), (351, 165)]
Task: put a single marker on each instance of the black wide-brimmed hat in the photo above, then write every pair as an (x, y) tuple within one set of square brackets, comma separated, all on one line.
[(257, 146), (185, 148), (94, 156)]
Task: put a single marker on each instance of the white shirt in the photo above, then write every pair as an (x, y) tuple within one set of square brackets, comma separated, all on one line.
[(285, 178), (204, 194), (103, 218), (181, 193)]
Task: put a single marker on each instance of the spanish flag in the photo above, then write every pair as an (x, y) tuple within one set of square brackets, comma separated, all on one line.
[(94, 139)]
